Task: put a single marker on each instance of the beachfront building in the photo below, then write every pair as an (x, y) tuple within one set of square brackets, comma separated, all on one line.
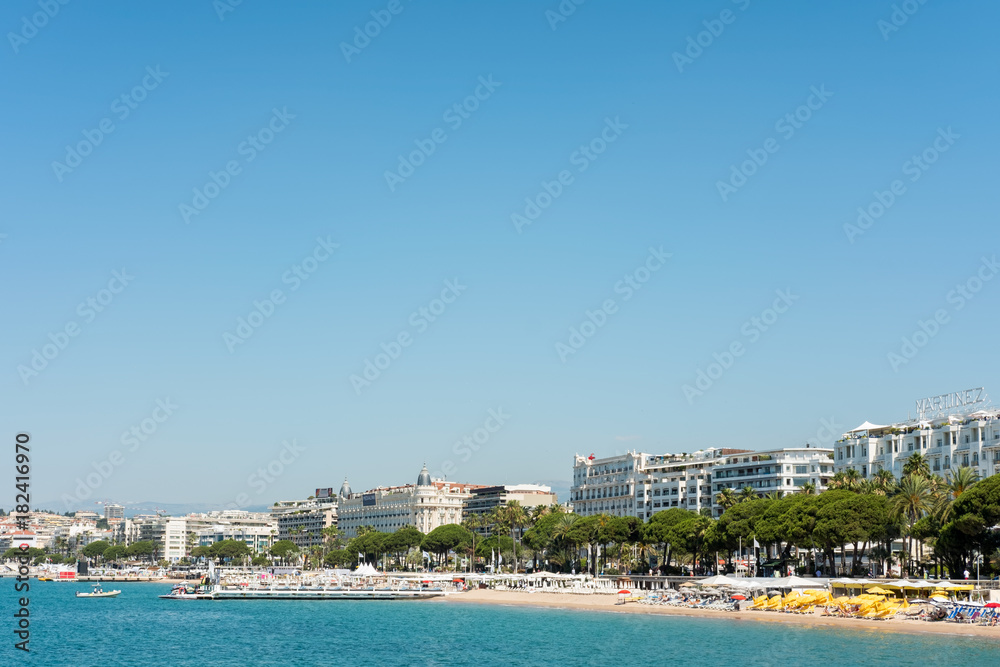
[(678, 480), (946, 442), (177, 535), (639, 484), (607, 485), (258, 538), (303, 521), (781, 471), (145, 528), (486, 499), (425, 505)]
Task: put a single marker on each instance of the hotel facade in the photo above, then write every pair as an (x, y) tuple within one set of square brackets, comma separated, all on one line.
[(949, 442), (640, 485), (485, 499), (779, 470), (425, 505)]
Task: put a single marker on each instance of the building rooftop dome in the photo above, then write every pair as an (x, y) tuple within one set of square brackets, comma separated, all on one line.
[(425, 477), (345, 489)]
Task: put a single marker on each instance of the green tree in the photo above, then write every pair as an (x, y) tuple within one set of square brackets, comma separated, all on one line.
[(96, 549), (113, 553), (912, 501), (284, 550), (916, 465), (339, 558), (726, 498), (400, 542), (229, 550), (444, 538), (142, 550)]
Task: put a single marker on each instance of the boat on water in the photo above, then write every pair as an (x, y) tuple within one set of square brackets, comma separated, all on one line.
[(98, 592)]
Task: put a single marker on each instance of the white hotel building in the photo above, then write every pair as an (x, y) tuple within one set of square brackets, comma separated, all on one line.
[(948, 442), (639, 484), (424, 505), (779, 470), (606, 486)]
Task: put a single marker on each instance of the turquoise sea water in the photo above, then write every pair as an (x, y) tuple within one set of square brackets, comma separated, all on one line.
[(137, 628)]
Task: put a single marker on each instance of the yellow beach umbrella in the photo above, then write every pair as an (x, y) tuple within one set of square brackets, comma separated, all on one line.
[(878, 591), (961, 587)]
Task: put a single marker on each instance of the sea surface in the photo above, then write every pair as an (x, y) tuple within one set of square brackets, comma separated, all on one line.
[(137, 628)]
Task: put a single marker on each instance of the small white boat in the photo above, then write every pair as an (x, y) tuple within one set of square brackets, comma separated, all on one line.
[(98, 592)]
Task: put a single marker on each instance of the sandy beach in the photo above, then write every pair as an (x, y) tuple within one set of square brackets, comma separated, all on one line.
[(609, 603)]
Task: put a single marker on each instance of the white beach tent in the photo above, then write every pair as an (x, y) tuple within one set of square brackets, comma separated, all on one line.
[(366, 570)]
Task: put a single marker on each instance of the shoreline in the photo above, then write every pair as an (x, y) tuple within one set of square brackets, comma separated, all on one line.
[(609, 604)]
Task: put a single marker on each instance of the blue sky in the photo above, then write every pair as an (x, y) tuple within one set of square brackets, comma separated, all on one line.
[(328, 127)]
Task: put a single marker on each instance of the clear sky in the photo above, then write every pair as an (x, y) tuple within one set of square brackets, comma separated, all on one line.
[(201, 153)]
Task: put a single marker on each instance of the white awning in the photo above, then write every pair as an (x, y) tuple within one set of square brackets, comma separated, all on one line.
[(867, 426)]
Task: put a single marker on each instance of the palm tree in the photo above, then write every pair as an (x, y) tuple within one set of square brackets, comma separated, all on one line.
[(916, 465), (726, 499), (961, 480), (512, 517), (852, 479), (330, 537), (538, 511), (747, 493), (912, 501), (808, 489), (947, 492), (561, 536), (885, 482), (316, 556), (472, 523), (838, 481)]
